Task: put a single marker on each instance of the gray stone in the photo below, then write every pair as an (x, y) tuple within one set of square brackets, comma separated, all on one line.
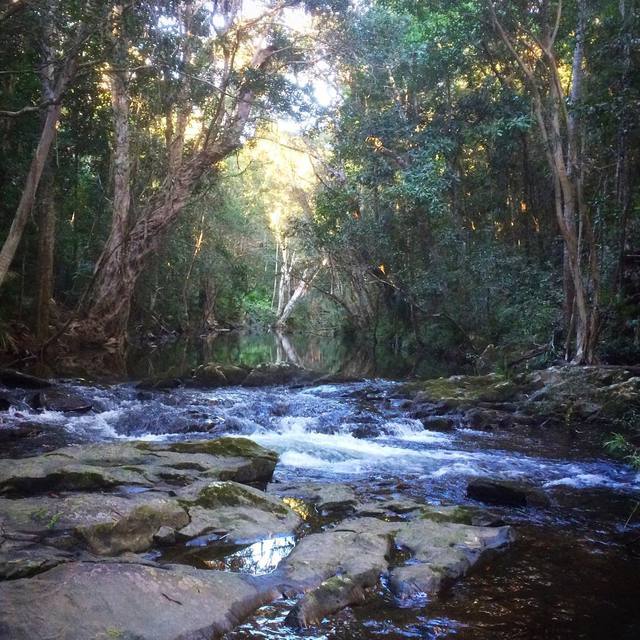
[(239, 513), (81, 601)]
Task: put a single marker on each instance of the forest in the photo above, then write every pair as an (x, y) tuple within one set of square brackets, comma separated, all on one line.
[(448, 176), (319, 319)]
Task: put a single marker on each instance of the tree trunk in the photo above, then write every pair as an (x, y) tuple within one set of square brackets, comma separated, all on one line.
[(104, 318), (46, 246), (54, 86), (27, 199), (300, 291), (564, 156)]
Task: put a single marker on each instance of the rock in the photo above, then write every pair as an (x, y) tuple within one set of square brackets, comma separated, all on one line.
[(78, 601), (210, 376), (441, 552), (106, 524), (235, 375), (23, 557), (163, 465), (16, 379), (240, 514), (325, 497), (58, 400), (5, 403), (335, 568), (439, 423), (21, 430), (165, 535), (159, 384), (505, 492)]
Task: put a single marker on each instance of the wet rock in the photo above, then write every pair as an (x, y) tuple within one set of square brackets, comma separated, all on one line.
[(58, 400), (335, 568), (238, 513), (77, 601), (106, 524), (209, 376), (21, 430), (439, 423), (325, 497), (159, 383), (441, 552), (235, 375), (15, 379), (505, 492), (104, 466), (214, 375), (165, 535)]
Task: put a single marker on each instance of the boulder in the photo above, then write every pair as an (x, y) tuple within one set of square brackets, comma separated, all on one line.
[(59, 400), (270, 374), (335, 568), (239, 514), (95, 467), (105, 524), (327, 497), (440, 552), (505, 492)]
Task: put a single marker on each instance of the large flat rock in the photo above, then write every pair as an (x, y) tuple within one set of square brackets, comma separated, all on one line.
[(104, 466), (83, 601)]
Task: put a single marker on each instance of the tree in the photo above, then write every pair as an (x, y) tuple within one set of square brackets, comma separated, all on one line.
[(536, 56), (58, 72)]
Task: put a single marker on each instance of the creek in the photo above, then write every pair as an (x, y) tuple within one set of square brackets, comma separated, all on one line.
[(573, 571)]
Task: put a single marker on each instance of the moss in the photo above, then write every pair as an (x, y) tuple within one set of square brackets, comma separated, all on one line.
[(457, 515), (222, 447), (459, 390), (231, 494)]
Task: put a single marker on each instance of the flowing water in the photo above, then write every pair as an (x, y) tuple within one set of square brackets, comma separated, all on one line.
[(574, 571)]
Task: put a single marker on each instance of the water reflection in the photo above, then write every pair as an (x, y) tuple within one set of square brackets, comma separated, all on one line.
[(258, 559), (311, 351)]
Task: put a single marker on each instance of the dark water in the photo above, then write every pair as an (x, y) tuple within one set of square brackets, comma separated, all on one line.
[(573, 572), (318, 352)]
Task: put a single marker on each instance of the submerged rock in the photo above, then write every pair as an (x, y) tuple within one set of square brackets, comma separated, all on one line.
[(505, 492)]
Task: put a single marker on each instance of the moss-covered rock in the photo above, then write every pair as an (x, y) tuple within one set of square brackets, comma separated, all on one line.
[(104, 466), (240, 513), (105, 524)]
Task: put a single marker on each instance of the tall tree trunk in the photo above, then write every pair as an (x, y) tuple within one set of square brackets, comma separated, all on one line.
[(27, 199), (55, 83), (46, 247), (564, 156)]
